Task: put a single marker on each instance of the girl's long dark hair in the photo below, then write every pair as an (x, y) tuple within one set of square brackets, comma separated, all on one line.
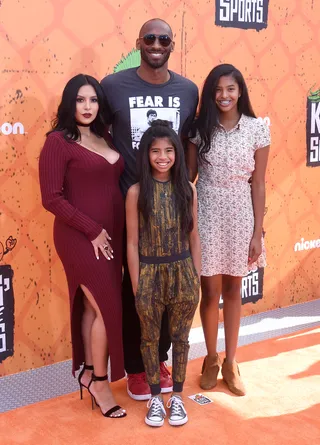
[(65, 120), (183, 192), (208, 116)]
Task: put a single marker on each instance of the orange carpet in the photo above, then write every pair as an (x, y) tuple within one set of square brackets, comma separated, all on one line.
[(282, 407)]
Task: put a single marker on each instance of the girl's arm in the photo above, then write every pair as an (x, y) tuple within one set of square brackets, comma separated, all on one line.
[(258, 194), (132, 221), (194, 238), (192, 160)]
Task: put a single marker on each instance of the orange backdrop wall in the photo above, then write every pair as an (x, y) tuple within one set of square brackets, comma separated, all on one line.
[(44, 43)]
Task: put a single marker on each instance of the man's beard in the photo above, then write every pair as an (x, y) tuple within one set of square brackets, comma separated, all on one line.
[(156, 63)]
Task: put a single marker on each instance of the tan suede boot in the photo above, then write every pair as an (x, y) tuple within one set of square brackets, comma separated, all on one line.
[(231, 375), (210, 370)]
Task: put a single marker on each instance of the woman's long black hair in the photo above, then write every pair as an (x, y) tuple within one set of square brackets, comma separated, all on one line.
[(183, 192), (208, 116), (65, 120)]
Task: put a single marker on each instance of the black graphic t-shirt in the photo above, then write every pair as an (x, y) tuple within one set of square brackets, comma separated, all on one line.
[(133, 104)]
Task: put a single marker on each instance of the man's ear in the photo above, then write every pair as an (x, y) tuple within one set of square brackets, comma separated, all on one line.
[(138, 44), (172, 46)]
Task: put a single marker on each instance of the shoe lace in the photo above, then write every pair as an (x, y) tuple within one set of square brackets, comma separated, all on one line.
[(176, 405), (163, 369), (156, 405)]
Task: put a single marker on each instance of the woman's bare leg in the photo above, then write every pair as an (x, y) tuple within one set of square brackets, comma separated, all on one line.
[(209, 311), (88, 318), (231, 314), (99, 353)]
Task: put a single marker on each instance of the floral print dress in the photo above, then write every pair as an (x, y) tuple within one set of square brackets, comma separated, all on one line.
[(225, 209)]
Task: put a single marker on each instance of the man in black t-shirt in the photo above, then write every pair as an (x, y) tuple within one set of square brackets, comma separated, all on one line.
[(135, 96)]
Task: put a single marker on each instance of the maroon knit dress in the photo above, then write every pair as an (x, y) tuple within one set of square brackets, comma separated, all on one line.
[(81, 188)]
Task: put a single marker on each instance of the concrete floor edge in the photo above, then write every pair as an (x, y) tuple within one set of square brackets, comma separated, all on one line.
[(51, 381)]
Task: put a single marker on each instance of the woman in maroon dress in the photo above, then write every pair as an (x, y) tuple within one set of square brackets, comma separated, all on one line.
[(79, 178)]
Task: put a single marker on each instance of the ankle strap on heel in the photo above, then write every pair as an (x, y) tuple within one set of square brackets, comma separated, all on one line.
[(99, 379), (88, 367)]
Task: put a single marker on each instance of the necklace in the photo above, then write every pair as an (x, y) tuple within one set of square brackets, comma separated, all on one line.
[(163, 187)]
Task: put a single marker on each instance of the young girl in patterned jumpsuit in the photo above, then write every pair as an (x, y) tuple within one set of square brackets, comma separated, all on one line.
[(164, 260)]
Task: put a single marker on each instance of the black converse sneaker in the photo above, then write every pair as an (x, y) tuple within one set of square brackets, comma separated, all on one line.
[(156, 413), (178, 414)]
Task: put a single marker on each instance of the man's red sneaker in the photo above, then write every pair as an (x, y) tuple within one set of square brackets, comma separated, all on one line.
[(165, 378), (137, 386)]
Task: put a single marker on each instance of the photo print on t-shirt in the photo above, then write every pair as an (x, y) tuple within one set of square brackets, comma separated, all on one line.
[(144, 110)]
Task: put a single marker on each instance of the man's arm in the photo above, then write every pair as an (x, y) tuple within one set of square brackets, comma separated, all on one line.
[(194, 99), (108, 113)]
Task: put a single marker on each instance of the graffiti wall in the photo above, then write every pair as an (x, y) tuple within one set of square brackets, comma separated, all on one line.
[(43, 43)]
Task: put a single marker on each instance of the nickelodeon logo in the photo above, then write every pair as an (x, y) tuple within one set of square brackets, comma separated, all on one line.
[(7, 129), (265, 120), (306, 245)]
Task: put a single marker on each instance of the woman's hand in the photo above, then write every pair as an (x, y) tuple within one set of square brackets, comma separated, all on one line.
[(102, 243), (255, 249)]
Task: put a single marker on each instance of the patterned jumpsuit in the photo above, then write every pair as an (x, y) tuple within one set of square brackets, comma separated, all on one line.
[(168, 279)]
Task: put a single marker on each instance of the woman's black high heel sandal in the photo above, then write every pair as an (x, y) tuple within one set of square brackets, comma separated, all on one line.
[(93, 400), (85, 367)]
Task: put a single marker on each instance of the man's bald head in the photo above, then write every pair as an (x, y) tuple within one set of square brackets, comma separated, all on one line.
[(160, 25), (154, 51)]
